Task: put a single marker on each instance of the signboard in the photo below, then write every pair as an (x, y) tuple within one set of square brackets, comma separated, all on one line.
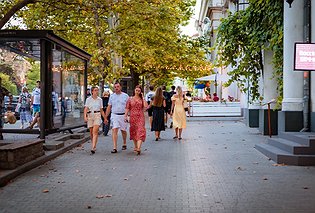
[(304, 56)]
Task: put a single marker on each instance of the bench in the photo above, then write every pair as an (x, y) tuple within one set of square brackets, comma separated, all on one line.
[(16, 154)]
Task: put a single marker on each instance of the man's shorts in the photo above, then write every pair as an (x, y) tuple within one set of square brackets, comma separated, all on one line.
[(36, 108), (118, 121), (94, 119)]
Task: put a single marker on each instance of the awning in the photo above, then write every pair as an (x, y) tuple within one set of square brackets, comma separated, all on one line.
[(213, 77)]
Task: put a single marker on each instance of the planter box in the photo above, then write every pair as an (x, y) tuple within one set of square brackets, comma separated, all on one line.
[(16, 154), (215, 109)]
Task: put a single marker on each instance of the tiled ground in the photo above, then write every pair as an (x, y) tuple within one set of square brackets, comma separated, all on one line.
[(215, 168)]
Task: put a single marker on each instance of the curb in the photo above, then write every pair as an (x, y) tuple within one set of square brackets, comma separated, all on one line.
[(8, 175)]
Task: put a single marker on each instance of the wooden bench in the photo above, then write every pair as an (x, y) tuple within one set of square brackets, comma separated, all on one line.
[(16, 154)]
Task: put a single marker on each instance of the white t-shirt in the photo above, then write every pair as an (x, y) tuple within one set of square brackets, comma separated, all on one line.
[(36, 95), (118, 102), (94, 104), (149, 95)]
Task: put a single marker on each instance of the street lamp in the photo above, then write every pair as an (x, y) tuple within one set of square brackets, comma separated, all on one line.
[(289, 2)]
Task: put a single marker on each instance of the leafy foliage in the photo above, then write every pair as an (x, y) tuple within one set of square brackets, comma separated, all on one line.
[(243, 36), (145, 33), (8, 84), (33, 75)]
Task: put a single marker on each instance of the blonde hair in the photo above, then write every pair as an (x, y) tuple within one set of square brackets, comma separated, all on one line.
[(158, 97), (105, 93), (179, 92)]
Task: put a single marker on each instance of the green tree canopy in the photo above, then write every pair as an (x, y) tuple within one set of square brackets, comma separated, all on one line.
[(144, 33)]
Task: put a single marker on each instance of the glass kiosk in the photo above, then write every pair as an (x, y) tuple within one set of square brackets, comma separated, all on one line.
[(27, 56)]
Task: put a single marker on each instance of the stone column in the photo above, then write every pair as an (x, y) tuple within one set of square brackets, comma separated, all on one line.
[(269, 93), (291, 116)]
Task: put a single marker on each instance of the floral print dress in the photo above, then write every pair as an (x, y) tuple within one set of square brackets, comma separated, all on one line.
[(137, 120)]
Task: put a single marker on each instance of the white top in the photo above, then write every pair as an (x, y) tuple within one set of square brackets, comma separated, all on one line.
[(55, 99), (36, 95), (149, 95), (94, 104), (118, 102)]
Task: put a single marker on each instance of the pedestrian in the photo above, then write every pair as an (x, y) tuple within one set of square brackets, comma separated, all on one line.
[(136, 106), (25, 107), (179, 114), (117, 105), (88, 92), (55, 100), (189, 100), (168, 105), (93, 110), (171, 93), (35, 99), (148, 98), (3, 92), (105, 99), (158, 105)]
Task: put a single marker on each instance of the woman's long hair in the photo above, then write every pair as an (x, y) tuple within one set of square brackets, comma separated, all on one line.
[(179, 92), (158, 97)]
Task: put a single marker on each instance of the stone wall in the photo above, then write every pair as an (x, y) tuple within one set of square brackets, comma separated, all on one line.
[(16, 154)]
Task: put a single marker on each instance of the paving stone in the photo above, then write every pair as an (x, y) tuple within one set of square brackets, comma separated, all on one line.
[(215, 168)]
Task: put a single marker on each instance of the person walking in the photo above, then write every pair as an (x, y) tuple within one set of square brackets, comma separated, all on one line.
[(25, 107), (178, 113), (3, 93), (148, 99), (117, 105), (93, 110), (105, 99), (136, 106), (168, 104), (158, 104), (171, 93), (35, 99)]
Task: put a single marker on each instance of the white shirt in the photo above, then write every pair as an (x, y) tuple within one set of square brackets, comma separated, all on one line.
[(36, 95), (149, 95), (94, 104), (118, 102)]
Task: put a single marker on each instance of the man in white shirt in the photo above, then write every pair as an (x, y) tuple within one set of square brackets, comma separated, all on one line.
[(116, 105), (35, 99)]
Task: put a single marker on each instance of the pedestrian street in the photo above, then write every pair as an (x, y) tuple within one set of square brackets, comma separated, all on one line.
[(214, 168)]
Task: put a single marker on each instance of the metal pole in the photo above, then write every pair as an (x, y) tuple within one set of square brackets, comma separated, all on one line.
[(269, 121), (307, 74)]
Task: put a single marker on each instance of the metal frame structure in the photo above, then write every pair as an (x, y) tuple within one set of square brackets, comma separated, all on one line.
[(47, 40)]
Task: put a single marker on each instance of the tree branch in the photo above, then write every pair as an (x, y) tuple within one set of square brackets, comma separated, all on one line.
[(14, 9)]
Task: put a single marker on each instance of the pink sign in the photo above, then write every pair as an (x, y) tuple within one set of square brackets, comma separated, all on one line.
[(304, 58)]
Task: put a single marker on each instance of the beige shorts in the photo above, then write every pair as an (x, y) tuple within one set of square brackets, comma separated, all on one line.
[(94, 119)]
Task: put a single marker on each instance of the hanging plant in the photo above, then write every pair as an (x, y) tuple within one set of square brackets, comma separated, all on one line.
[(242, 37)]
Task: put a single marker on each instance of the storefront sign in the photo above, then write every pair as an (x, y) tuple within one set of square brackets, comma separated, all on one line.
[(304, 57)]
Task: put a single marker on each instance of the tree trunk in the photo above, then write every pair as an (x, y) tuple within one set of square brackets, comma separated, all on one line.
[(134, 78), (15, 9)]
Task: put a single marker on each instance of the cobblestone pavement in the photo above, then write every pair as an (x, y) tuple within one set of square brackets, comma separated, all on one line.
[(215, 168)]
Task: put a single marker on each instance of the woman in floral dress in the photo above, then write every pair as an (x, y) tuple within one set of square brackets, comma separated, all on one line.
[(136, 106)]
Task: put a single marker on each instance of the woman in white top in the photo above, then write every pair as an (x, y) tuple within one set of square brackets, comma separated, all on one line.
[(93, 111)]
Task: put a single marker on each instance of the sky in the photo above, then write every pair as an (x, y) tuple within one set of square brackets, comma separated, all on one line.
[(190, 28)]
